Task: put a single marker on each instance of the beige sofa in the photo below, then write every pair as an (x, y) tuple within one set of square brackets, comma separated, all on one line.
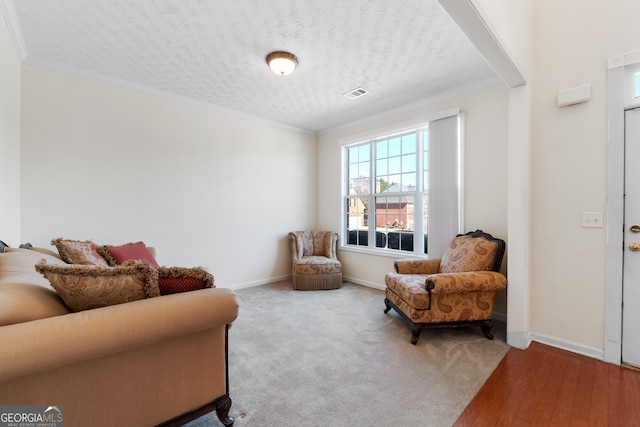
[(155, 361)]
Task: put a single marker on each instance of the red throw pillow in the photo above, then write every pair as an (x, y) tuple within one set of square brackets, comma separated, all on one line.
[(174, 285), (131, 251), (172, 280)]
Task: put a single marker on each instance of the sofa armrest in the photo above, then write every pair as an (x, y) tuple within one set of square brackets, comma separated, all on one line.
[(44, 344), (477, 281), (417, 266)]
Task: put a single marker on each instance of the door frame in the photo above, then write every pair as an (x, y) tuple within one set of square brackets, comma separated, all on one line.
[(619, 75)]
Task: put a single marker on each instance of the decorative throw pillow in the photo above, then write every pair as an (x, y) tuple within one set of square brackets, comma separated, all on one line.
[(79, 252), (84, 287), (117, 255), (172, 280)]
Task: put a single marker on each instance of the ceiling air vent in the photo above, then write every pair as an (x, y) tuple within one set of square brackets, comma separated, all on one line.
[(355, 93)]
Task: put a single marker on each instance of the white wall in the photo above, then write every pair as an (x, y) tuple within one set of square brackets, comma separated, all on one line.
[(573, 41), (205, 186), (485, 175), (9, 139)]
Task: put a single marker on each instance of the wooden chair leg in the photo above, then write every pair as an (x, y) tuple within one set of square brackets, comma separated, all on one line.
[(415, 333), (387, 306), (486, 329), (222, 411)]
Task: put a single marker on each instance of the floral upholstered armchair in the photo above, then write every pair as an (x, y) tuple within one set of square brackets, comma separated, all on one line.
[(456, 290), (314, 260)]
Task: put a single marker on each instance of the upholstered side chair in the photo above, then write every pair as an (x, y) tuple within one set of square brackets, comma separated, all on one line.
[(456, 290), (314, 260)]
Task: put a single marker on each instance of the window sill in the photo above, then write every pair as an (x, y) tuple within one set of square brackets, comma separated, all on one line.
[(381, 252)]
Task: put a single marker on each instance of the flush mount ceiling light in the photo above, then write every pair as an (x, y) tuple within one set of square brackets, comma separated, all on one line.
[(282, 63)]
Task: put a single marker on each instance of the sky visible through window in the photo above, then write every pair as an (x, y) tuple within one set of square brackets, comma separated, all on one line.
[(636, 85)]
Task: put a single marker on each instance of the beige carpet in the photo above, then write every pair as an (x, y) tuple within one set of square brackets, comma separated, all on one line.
[(333, 358)]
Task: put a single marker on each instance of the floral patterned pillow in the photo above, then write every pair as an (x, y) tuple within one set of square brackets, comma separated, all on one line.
[(84, 287), (79, 252)]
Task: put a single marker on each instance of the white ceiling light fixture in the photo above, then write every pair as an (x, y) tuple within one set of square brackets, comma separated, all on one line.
[(282, 63)]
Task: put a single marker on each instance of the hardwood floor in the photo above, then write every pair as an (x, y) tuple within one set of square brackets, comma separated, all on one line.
[(545, 386)]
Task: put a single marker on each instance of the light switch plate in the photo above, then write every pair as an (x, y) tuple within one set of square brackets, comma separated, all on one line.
[(592, 219)]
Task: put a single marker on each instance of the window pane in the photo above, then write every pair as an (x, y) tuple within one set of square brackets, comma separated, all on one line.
[(409, 163), (406, 241), (394, 147), (352, 154), (395, 212), (357, 221), (353, 170), (394, 183), (408, 182), (363, 170), (409, 143), (382, 149), (636, 93), (381, 167), (382, 184), (395, 166), (363, 153), (359, 186)]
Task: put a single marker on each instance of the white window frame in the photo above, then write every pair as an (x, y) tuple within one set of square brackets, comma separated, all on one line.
[(382, 133)]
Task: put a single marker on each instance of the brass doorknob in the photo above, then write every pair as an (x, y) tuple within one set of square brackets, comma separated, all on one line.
[(634, 246), (635, 228)]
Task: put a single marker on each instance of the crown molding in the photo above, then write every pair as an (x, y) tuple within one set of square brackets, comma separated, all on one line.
[(13, 25)]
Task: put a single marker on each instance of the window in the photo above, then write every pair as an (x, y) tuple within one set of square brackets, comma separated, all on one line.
[(402, 189), (636, 84)]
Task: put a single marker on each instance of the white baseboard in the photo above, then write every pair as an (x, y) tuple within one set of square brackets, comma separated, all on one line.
[(288, 277), (258, 282), (502, 317), (613, 352), (522, 340), (380, 287), (573, 347), (518, 339)]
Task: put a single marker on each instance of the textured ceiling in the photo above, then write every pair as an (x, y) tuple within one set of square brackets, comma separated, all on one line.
[(402, 52)]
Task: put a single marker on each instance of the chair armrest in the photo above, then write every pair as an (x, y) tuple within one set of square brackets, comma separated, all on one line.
[(417, 266), (45, 344), (297, 246), (476, 281), (331, 245)]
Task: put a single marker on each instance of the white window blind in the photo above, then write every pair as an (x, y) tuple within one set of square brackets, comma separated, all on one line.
[(444, 191)]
